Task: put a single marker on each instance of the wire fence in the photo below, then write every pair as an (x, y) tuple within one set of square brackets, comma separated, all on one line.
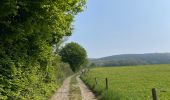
[(105, 81)]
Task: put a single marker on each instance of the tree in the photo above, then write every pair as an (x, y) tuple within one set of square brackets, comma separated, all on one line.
[(92, 65), (73, 54)]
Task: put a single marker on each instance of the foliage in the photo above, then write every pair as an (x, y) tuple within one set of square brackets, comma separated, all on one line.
[(130, 83), (29, 31), (74, 54)]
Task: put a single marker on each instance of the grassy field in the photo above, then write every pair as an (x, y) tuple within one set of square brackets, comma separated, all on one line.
[(130, 83)]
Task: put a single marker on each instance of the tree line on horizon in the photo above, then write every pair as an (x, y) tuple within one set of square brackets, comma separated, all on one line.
[(132, 59)]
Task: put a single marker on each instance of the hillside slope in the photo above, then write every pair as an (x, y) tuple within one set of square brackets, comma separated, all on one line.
[(133, 59)]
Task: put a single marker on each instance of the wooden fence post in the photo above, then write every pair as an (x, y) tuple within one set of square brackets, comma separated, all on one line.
[(95, 81), (106, 84), (83, 72), (154, 94)]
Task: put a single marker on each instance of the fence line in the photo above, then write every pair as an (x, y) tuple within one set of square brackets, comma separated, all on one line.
[(153, 90)]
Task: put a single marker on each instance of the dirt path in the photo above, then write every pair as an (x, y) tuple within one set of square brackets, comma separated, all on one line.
[(75, 93), (70, 90), (85, 91), (63, 92)]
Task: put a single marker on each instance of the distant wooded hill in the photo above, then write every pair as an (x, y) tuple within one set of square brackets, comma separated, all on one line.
[(132, 59)]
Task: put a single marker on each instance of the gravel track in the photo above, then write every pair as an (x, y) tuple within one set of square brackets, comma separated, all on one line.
[(86, 93), (63, 92)]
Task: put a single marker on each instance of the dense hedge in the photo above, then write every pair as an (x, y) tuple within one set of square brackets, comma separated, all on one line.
[(29, 30), (31, 79)]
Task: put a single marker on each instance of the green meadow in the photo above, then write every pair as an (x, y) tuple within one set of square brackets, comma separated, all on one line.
[(130, 82)]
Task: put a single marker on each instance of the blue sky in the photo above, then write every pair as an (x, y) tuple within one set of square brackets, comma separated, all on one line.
[(110, 27)]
